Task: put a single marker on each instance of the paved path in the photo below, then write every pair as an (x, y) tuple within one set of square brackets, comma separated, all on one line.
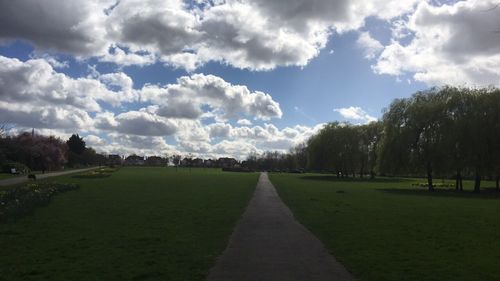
[(21, 179), (268, 244)]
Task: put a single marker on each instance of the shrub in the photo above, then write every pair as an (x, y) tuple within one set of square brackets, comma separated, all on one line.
[(18, 201)]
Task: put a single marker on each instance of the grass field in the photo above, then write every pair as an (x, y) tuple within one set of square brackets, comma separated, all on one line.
[(138, 224), (6, 176), (386, 230)]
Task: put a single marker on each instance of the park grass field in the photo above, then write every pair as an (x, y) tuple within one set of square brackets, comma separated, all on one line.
[(6, 176), (138, 224), (386, 230)]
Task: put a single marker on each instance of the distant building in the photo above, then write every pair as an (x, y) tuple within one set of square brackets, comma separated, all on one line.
[(208, 163), (156, 161), (114, 159), (134, 160), (185, 162), (197, 162), (226, 162)]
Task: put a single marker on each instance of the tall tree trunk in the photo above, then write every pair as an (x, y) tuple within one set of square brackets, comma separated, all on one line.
[(461, 180), (372, 174), (497, 183), (477, 182), (429, 177)]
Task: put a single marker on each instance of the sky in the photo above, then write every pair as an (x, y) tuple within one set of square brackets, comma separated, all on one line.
[(214, 78)]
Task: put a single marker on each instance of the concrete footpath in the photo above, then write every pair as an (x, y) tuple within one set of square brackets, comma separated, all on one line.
[(269, 244), (21, 179)]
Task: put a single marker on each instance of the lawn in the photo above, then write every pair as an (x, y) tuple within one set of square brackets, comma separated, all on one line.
[(138, 224), (6, 176), (386, 230)]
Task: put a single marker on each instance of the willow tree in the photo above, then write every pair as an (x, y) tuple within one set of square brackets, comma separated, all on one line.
[(414, 135)]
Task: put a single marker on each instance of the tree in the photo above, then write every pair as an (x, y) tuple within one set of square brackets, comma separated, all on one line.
[(176, 159), (38, 152), (413, 135), (370, 138), (76, 144)]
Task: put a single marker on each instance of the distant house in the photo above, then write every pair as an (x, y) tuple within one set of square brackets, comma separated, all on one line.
[(114, 159), (197, 162), (208, 163), (134, 160), (226, 162), (156, 161), (186, 162)]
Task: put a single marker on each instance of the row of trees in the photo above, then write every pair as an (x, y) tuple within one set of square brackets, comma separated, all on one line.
[(295, 160), (445, 132), (38, 152), (345, 149)]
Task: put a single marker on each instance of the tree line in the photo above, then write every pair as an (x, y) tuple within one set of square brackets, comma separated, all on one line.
[(29, 151), (447, 132)]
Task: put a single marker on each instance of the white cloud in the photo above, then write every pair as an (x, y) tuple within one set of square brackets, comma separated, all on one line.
[(52, 60), (123, 144), (33, 94), (35, 81), (227, 148), (32, 116), (371, 47), (186, 98), (142, 123), (355, 113), (119, 56), (452, 44), (219, 130), (244, 122), (249, 34)]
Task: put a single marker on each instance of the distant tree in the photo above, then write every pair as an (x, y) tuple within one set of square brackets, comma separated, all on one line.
[(4, 129), (76, 144), (176, 160), (39, 152), (300, 153)]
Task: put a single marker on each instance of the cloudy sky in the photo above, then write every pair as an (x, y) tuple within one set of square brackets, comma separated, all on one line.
[(228, 77)]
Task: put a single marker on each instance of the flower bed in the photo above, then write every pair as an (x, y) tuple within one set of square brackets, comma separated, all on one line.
[(18, 201), (97, 174)]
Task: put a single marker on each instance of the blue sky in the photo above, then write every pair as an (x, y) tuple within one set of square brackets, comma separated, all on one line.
[(226, 79)]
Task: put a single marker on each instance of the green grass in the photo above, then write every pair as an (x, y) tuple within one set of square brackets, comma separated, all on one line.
[(138, 224), (7, 176), (385, 230)]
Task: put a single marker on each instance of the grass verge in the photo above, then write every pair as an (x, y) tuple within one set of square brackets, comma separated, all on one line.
[(387, 230), (139, 224)]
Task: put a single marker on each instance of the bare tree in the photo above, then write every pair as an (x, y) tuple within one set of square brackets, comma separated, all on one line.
[(5, 128)]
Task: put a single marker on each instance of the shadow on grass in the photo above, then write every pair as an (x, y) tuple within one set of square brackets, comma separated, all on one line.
[(336, 179), (486, 193)]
